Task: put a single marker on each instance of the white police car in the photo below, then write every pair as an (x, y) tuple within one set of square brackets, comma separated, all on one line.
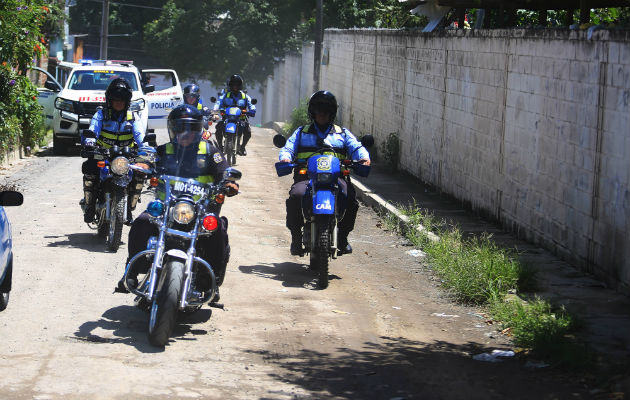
[(84, 91)]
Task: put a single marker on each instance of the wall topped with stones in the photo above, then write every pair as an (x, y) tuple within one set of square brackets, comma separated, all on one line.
[(531, 127)]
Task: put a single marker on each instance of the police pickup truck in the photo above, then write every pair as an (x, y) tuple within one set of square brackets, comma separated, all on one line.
[(155, 93)]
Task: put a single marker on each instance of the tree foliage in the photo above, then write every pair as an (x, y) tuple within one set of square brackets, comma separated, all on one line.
[(225, 37), (25, 30)]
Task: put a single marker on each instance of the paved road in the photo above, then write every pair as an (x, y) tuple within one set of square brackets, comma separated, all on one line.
[(382, 330)]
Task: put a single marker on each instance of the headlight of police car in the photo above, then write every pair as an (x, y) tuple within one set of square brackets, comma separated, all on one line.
[(120, 165), (183, 212), (63, 104), (324, 178), (137, 105)]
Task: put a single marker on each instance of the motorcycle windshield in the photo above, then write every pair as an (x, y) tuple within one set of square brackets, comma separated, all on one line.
[(188, 169)]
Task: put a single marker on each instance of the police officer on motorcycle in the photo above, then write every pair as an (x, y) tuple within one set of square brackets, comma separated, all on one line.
[(322, 109), (188, 156), (231, 98), (112, 125), (192, 96)]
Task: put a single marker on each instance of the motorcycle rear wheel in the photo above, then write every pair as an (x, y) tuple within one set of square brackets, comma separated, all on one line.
[(116, 220), (163, 313)]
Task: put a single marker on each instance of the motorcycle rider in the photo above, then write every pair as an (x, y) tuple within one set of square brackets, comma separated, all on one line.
[(185, 155), (113, 125), (234, 96), (192, 96), (322, 109)]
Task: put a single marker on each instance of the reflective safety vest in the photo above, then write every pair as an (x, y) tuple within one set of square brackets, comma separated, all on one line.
[(117, 133), (307, 143)]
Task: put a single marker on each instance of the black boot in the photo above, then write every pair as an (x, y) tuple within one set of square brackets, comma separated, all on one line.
[(132, 282), (89, 199), (296, 243), (343, 245)]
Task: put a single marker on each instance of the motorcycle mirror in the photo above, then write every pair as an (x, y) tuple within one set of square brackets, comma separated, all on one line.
[(232, 174), (150, 139), (148, 89), (279, 141), (213, 99), (88, 134), (254, 101), (11, 198), (367, 141)]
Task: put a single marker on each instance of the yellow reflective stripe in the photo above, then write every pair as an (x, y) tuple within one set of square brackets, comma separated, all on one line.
[(205, 179), (199, 106), (170, 149), (103, 144), (114, 136), (129, 116), (308, 154)]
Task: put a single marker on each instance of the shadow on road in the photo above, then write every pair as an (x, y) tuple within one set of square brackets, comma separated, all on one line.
[(399, 368), (128, 325), (289, 273), (83, 240)]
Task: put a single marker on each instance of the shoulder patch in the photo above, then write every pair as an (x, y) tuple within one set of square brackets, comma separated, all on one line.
[(217, 158)]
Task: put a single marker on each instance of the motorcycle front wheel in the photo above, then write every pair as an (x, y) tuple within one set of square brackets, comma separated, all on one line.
[(116, 219), (230, 150), (165, 305), (321, 253)]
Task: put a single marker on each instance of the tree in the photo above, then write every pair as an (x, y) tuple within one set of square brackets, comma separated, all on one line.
[(25, 29)]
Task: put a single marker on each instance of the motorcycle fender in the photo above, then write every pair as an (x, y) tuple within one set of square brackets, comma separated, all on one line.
[(323, 202), (230, 127), (176, 253)]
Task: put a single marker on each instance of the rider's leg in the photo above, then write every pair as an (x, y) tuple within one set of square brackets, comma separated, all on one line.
[(346, 225), (247, 134), (219, 134), (136, 185), (141, 230), (295, 221), (90, 184)]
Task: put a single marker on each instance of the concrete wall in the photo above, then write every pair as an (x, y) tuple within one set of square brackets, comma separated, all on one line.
[(530, 127)]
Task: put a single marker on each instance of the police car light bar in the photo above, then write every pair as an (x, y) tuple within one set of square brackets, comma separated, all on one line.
[(86, 61)]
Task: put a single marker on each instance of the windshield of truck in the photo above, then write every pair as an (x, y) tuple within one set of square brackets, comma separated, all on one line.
[(100, 79)]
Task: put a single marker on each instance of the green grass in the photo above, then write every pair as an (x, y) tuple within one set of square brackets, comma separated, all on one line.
[(477, 271)]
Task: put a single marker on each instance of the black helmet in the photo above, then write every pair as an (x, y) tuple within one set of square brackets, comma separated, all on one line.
[(322, 101), (118, 89), (235, 80), (185, 120), (192, 90)]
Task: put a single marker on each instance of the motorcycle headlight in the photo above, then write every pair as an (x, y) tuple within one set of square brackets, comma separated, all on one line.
[(324, 178), (64, 104), (120, 166), (183, 212), (137, 105)]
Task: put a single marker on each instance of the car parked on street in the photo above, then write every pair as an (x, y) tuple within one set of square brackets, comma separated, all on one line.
[(7, 198)]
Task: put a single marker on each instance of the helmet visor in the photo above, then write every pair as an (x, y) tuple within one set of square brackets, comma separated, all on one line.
[(188, 97), (184, 130)]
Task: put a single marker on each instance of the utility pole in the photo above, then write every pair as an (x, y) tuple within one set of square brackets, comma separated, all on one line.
[(319, 38), (104, 30)]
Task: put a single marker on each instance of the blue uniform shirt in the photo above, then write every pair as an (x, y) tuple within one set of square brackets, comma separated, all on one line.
[(125, 123), (230, 99), (304, 141)]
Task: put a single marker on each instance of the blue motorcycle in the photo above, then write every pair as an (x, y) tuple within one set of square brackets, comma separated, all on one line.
[(234, 124), (321, 206)]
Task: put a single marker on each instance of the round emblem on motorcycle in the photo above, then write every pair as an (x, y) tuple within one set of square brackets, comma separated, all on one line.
[(323, 164), (217, 158)]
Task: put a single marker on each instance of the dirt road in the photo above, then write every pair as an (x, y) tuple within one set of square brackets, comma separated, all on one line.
[(382, 330)]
